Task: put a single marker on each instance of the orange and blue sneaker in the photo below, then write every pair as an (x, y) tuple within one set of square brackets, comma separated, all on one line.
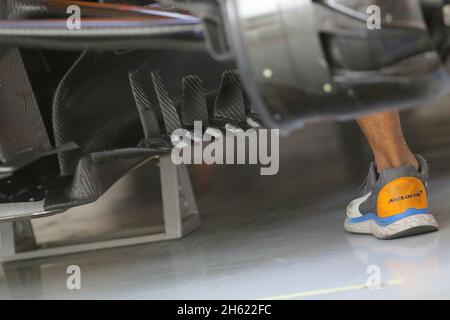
[(393, 203)]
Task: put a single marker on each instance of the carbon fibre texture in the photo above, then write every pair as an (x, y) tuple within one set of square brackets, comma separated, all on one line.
[(194, 107), (107, 104), (94, 175), (165, 104), (230, 104), (14, 9), (117, 106), (150, 115), (22, 130), (94, 105)]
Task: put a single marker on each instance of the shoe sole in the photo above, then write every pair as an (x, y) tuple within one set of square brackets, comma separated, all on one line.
[(409, 226)]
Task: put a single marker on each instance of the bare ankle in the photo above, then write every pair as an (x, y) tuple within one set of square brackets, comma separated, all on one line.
[(393, 161), (395, 158)]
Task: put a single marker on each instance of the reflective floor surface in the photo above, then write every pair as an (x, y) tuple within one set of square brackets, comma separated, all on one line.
[(277, 237)]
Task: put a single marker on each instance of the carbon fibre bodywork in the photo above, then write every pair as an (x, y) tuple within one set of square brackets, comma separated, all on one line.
[(81, 108)]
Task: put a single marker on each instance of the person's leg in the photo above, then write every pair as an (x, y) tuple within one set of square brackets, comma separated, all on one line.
[(394, 200), (385, 136)]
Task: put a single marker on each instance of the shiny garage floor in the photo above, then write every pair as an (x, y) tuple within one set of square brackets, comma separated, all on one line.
[(275, 237)]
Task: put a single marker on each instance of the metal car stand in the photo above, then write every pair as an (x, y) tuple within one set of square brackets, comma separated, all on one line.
[(181, 216)]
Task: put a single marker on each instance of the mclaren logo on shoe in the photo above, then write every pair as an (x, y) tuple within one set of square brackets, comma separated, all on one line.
[(409, 196)]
